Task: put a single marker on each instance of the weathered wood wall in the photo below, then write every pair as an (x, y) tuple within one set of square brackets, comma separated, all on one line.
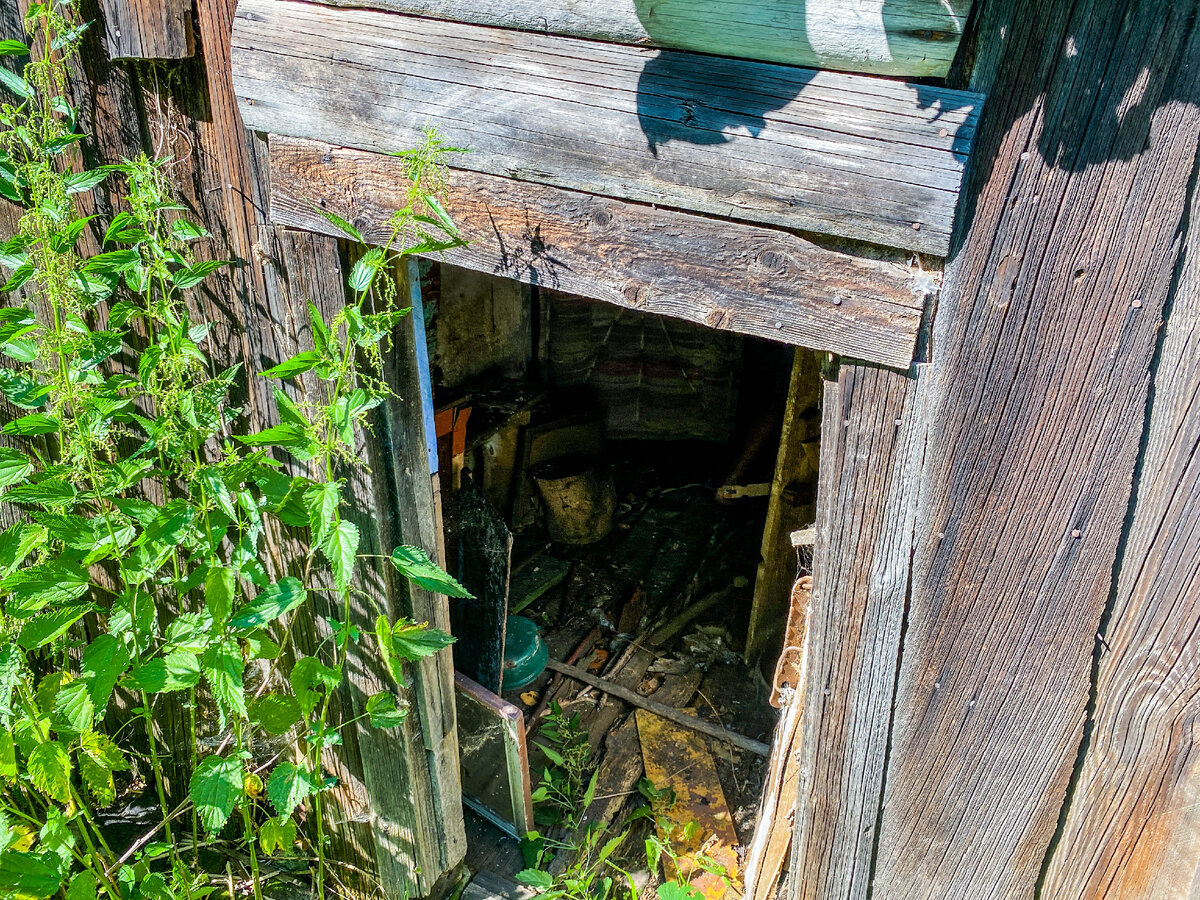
[(861, 158), (1034, 407), (904, 38), (399, 819)]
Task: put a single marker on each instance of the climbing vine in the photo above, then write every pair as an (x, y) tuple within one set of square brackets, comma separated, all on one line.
[(132, 575)]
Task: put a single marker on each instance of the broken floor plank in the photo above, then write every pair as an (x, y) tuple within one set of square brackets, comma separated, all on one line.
[(678, 759), (843, 155), (667, 712), (740, 278)]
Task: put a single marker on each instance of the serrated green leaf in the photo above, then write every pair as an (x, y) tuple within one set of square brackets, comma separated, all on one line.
[(33, 424), (184, 230), (415, 565), (16, 84), (536, 878), (276, 600), (215, 788), (384, 712), (78, 182), (223, 667), (192, 275), (276, 713), (14, 466), (74, 711), (304, 361), (28, 875), (47, 627), (99, 758), (308, 674), (341, 224), (341, 549), (275, 835), (289, 786), (13, 48), (82, 887), (105, 660), (49, 768), (220, 587), (412, 641), (364, 270)]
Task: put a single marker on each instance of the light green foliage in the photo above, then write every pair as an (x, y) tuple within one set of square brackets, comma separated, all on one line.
[(146, 507)]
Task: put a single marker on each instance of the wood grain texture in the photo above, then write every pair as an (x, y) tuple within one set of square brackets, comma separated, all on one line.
[(1133, 826), (872, 437), (1042, 345), (777, 570), (855, 157), (737, 277), (905, 38), (148, 29)]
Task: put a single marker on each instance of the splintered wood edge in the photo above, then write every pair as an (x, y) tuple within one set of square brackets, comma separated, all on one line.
[(733, 276)]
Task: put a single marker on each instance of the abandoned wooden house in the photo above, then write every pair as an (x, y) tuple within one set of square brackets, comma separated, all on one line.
[(813, 412)]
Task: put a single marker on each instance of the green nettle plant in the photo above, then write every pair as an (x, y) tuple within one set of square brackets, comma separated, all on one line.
[(132, 576)]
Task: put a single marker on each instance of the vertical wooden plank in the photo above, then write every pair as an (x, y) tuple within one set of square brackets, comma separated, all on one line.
[(872, 438), (777, 571), (1133, 826), (1041, 352), (148, 29)]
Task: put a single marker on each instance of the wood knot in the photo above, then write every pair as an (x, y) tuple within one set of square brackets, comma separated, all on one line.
[(718, 318), (602, 217)]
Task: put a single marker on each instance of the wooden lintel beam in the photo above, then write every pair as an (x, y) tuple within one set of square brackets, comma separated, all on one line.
[(861, 158), (742, 278)]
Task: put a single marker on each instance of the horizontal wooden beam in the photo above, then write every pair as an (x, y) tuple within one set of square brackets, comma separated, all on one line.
[(862, 158), (738, 277), (904, 38)]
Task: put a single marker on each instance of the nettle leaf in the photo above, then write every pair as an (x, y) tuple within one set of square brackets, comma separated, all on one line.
[(215, 788), (415, 565), (178, 670), (289, 786), (99, 758), (276, 600), (412, 641), (22, 390), (50, 626), (49, 768), (309, 675), (36, 587), (83, 886), (192, 275), (11, 664), (13, 48), (16, 84), (365, 269), (304, 361), (276, 713), (74, 711), (26, 874), (220, 587), (223, 667), (14, 466), (292, 438), (384, 712), (276, 835), (112, 263), (17, 542), (341, 549), (341, 224), (33, 424), (184, 230), (78, 182), (104, 661)]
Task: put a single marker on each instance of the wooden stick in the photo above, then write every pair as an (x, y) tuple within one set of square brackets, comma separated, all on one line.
[(591, 638), (661, 709)]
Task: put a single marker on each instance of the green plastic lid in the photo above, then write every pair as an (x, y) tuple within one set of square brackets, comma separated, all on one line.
[(525, 653)]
